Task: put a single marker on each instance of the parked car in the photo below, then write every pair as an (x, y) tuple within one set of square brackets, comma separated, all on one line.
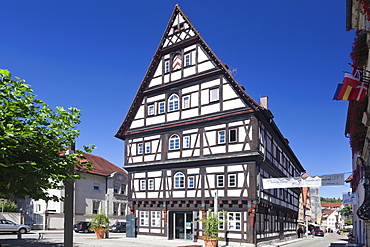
[(118, 227), (319, 233), (10, 226), (82, 226)]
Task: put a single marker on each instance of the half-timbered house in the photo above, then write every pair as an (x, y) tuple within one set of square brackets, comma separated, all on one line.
[(191, 133)]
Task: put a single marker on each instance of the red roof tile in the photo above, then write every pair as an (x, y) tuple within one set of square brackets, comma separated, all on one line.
[(102, 166), (331, 204)]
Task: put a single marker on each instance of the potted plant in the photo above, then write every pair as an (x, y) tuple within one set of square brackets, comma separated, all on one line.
[(99, 224), (210, 226)]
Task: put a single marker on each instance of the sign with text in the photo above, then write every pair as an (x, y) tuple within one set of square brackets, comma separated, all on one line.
[(333, 179), (273, 183)]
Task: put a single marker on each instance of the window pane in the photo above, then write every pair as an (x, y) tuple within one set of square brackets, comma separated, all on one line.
[(186, 143), (179, 180), (221, 137), (151, 110), (173, 103), (161, 107), (140, 148), (214, 94), (174, 142), (191, 182), (186, 102), (232, 135)]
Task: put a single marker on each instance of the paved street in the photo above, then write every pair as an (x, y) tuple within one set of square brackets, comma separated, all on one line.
[(119, 239)]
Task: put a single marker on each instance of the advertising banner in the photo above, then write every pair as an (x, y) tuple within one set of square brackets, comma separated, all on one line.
[(333, 179), (272, 183)]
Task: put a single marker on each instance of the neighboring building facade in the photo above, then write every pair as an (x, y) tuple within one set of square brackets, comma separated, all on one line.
[(104, 189), (357, 18), (193, 136)]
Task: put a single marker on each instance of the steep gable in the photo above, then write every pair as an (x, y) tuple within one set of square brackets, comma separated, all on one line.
[(184, 58)]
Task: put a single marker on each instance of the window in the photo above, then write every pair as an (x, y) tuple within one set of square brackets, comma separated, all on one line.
[(96, 186), (174, 142), (222, 220), (140, 148), (151, 184), (186, 142), (186, 102), (156, 218), (214, 95), (221, 137), (173, 103), (220, 180), (123, 209), (232, 180), (147, 147), (96, 205), (179, 180), (232, 135), (191, 182), (123, 189), (187, 60), (161, 107), (115, 208), (150, 110), (144, 218), (116, 188), (166, 66), (142, 185), (234, 221)]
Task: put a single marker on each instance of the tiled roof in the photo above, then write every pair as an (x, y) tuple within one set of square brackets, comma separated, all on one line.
[(331, 204), (102, 166)]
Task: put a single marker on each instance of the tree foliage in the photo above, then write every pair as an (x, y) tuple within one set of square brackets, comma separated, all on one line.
[(323, 199), (346, 210), (33, 138), (8, 206)]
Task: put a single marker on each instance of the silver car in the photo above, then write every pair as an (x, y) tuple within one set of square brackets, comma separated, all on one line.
[(10, 226)]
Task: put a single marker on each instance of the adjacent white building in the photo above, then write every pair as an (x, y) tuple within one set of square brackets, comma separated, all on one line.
[(103, 190)]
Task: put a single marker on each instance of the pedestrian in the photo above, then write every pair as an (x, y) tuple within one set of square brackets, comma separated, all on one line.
[(313, 233)]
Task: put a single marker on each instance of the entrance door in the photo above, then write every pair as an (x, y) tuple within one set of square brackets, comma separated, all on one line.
[(183, 226)]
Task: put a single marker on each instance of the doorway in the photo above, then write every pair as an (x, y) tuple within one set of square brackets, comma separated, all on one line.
[(183, 227)]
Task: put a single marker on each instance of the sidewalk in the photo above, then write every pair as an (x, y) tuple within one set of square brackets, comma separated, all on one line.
[(84, 240)]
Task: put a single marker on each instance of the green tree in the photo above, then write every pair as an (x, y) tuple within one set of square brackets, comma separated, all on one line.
[(323, 199), (346, 210), (348, 222), (33, 138), (8, 205)]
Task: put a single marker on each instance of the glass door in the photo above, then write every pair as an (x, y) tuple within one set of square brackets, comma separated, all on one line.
[(183, 225)]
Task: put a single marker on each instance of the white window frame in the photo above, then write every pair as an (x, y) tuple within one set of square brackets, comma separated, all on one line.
[(148, 148), (234, 221), (179, 180), (191, 182), (173, 103), (174, 142), (123, 189), (161, 107), (143, 184), (221, 137), (231, 180), (144, 218), (214, 94), (186, 142), (186, 102), (140, 148), (236, 135), (187, 60), (156, 218), (151, 110), (166, 66), (220, 180), (151, 184)]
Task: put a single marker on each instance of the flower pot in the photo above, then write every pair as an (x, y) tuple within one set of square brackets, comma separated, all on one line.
[(99, 234), (210, 242)]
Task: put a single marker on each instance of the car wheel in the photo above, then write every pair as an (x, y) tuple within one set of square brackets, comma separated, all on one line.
[(86, 230), (22, 231)]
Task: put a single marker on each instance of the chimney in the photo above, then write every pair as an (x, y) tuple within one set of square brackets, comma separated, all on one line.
[(264, 101)]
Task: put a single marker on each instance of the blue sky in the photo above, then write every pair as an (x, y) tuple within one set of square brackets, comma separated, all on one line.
[(93, 55)]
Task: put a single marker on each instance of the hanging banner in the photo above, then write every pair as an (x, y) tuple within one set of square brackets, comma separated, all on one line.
[(333, 179), (273, 183)]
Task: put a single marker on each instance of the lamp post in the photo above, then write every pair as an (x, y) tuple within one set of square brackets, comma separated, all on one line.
[(2, 207)]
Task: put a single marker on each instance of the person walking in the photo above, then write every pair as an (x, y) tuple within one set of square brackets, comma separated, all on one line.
[(313, 233)]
